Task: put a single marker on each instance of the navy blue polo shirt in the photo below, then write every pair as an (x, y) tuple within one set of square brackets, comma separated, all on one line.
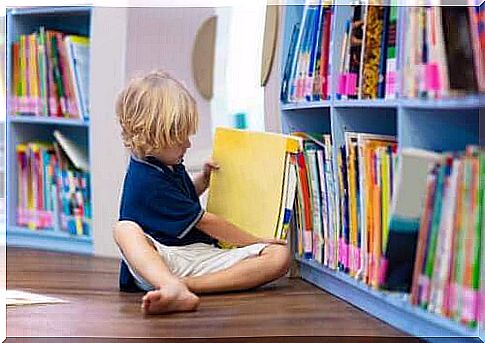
[(164, 203)]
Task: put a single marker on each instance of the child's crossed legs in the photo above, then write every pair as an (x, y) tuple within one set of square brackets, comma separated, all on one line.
[(173, 294)]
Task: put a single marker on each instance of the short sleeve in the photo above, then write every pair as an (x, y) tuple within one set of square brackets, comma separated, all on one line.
[(157, 203), (170, 212)]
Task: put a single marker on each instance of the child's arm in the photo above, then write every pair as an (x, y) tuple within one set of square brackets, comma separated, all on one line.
[(223, 230), (201, 181)]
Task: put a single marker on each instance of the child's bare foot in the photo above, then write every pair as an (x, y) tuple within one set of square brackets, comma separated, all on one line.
[(173, 297)]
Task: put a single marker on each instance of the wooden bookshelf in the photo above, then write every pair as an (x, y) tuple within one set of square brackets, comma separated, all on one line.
[(442, 125)]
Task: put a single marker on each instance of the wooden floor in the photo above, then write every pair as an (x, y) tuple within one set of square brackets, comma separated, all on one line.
[(281, 311)]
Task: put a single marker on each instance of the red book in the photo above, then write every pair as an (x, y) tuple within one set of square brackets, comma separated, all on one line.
[(325, 51)]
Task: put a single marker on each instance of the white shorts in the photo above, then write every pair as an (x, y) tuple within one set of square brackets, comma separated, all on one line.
[(197, 259)]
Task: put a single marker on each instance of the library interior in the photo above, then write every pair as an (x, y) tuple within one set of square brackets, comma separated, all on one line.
[(332, 165)]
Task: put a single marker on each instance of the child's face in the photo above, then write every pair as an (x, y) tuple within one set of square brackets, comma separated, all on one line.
[(173, 155)]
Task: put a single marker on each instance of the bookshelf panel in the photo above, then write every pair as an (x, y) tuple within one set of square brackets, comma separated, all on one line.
[(367, 103), (47, 120), (72, 22), (378, 120), (305, 105), (390, 308), (467, 102), (50, 11), (308, 120), (48, 240), (444, 130)]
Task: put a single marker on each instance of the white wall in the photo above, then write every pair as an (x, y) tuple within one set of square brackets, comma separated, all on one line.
[(272, 121), (108, 158), (163, 38), (127, 42)]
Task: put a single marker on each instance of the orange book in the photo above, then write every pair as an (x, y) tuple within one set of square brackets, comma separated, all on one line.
[(15, 78)]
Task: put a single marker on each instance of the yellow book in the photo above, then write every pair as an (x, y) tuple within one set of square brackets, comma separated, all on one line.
[(386, 195), (247, 189)]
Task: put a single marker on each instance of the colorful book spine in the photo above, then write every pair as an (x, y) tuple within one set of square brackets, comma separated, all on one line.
[(325, 77), (43, 79), (373, 36), (390, 74), (44, 182)]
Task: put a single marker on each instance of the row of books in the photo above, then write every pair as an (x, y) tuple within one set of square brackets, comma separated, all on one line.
[(50, 75), (316, 204), (446, 278), (368, 57), (307, 70), (349, 203), (52, 194), (432, 47), (349, 217), (434, 50)]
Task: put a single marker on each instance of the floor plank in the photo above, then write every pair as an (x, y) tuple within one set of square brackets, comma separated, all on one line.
[(286, 308)]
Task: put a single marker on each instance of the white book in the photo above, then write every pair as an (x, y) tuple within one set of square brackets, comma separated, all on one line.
[(76, 153), (410, 183), (77, 48)]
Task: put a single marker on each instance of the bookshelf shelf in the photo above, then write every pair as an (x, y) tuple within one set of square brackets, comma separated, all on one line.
[(64, 10), (448, 124), (470, 102), (366, 103), (306, 104), (392, 309), (49, 240), (48, 121)]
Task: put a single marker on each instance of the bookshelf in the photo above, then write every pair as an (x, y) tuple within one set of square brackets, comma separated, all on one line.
[(116, 55), (24, 128), (448, 124)]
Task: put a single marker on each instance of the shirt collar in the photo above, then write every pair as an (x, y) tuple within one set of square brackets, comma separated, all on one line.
[(155, 163)]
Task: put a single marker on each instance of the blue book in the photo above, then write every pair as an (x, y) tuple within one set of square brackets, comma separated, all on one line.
[(304, 56), (285, 84), (315, 52), (294, 62)]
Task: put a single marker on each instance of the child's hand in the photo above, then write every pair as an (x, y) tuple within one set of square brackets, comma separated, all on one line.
[(208, 168), (272, 241)]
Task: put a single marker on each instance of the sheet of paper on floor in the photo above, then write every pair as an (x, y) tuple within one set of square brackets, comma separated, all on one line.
[(18, 298)]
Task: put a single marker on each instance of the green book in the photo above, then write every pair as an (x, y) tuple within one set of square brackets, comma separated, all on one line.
[(42, 70)]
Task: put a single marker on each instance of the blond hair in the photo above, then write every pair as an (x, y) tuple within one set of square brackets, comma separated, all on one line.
[(155, 111)]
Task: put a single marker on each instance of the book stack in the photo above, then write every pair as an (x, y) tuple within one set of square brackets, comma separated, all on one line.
[(368, 57), (435, 50), (52, 193), (307, 71), (50, 75)]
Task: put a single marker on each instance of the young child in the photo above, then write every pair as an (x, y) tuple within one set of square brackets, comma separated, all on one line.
[(168, 242)]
